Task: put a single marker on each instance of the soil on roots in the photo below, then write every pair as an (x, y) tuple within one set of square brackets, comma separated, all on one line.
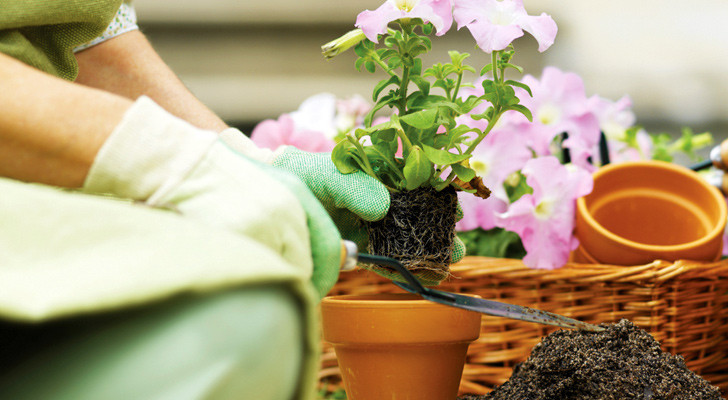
[(622, 362), (418, 231)]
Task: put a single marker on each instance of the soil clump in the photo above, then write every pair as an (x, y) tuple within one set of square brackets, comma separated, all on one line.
[(621, 362), (418, 231)]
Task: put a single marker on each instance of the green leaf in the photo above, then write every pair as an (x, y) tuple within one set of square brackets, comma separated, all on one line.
[(416, 67), (383, 134), (386, 53), (441, 84), (523, 110), (427, 28), (370, 66), (386, 100), (361, 49), (421, 119), (422, 83), (442, 157), (394, 62), (359, 62), (486, 69), (417, 168), (520, 85), (456, 57), (495, 242), (509, 65), (463, 172), (393, 80), (427, 42), (342, 157)]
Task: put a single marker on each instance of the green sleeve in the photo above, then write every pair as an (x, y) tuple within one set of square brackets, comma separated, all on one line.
[(43, 33)]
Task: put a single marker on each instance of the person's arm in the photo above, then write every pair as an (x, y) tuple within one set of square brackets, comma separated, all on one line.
[(51, 129), (128, 66)]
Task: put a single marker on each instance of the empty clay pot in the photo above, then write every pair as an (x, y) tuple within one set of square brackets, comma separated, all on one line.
[(398, 346), (646, 210)]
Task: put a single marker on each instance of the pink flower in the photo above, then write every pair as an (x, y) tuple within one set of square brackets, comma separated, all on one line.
[(283, 132), (545, 219), (619, 151), (317, 113), (350, 112), (496, 23), (437, 12), (479, 213), (559, 104), (615, 117), (501, 153)]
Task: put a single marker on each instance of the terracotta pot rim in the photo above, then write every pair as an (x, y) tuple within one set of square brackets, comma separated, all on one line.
[(717, 230), (380, 300)]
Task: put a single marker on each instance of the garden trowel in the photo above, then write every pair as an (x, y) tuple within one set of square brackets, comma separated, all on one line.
[(351, 256)]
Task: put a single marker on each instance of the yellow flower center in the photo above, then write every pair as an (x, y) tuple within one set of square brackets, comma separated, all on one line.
[(502, 18), (549, 114), (544, 209), (406, 5), (480, 167)]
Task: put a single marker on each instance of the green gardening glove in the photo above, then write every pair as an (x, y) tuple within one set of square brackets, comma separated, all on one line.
[(348, 198), (325, 240)]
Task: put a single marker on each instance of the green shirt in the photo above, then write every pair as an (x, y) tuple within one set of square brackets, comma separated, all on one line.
[(43, 33)]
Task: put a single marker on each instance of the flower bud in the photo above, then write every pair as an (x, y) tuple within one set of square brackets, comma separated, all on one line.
[(340, 45)]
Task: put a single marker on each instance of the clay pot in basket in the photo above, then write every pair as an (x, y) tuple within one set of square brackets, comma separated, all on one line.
[(646, 210), (398, 346)]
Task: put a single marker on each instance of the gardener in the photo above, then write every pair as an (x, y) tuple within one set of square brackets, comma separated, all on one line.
[(146, 249)]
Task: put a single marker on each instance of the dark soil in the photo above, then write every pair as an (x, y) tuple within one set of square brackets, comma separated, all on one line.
[(622, 362), (418, 231)]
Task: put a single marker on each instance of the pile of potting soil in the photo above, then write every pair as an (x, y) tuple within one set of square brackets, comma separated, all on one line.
[(621, 362)]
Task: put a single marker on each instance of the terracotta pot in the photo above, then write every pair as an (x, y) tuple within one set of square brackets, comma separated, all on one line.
[(646, 210), (582, 256), (398, 346)]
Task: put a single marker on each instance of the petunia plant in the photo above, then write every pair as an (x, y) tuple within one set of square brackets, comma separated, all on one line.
[(534, 185), (424, 143)]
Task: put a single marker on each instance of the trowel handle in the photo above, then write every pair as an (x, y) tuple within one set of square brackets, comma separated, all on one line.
[(719, 155), (349, 251), (719, 180)]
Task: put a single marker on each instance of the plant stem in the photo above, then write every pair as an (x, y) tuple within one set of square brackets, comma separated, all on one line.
[(406, 143), (457, 87), (491, 123), (403, 90), (497, 110), (494, 60), (384, 66), (367, 167), (389, 162)]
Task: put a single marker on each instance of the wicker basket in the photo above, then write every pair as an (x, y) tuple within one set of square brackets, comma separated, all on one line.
[(684, 305)]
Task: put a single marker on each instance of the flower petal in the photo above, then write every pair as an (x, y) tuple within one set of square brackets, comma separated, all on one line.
[(443, 9), (491, 37), (542, 28), (466, 11), (374, 23), (479, 213)]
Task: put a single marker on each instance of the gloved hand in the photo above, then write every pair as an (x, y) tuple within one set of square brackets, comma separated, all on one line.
[(157, 158), (348, 198)]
